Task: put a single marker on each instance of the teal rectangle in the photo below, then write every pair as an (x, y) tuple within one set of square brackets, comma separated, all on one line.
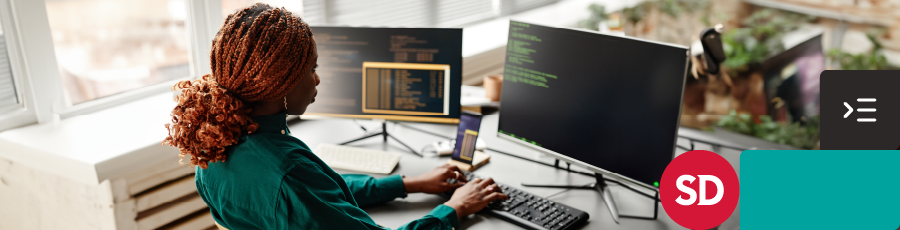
[(820, 189)]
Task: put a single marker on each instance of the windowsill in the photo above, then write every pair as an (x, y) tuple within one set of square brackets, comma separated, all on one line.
[(98, 146)]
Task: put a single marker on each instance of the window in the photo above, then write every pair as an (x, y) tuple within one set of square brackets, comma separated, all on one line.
[(137, 48), (106, 47), (396, 13), (9, 98)]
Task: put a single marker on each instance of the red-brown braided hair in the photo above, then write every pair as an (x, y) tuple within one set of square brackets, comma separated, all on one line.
[(259, 54)]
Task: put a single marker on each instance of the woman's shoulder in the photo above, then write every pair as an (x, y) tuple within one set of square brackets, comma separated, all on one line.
[(282, 141), (274, 156), (283, 147)]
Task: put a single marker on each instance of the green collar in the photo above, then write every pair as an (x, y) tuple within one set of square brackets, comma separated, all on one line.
[(275, 123)]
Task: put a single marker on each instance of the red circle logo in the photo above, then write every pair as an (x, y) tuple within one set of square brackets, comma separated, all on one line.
[(699, 189)]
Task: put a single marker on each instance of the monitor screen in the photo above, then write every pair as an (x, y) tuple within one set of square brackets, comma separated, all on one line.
[(411, 74), (466, 136), (609, 103)]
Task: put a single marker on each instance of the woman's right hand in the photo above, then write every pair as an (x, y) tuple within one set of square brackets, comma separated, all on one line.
[(474, 196)]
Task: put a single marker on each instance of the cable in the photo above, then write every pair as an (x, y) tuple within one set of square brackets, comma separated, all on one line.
[(360, 125), (426, 147)]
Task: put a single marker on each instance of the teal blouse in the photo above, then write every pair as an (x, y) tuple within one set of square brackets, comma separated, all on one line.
[(272, 180)]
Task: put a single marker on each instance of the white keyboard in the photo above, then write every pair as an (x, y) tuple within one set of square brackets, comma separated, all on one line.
[(357, 159)]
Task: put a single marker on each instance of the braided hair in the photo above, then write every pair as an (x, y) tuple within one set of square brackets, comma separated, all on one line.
[(259, 54)]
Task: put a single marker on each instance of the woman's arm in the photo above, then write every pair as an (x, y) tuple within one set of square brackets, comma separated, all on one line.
[(311, 199), (441, 217), (367, 190)]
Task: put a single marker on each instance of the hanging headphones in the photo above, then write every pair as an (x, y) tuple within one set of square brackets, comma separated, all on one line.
[(713, 53)]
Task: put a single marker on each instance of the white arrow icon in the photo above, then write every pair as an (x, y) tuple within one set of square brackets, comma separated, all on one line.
[(849, 110)]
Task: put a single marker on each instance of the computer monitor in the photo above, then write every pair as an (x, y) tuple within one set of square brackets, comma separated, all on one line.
[(608, 103), (409, 74)]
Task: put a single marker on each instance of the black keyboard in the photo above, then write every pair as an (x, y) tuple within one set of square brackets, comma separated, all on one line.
[(529, 211)]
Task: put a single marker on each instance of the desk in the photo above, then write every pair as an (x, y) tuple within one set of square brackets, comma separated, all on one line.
[(504, 169)]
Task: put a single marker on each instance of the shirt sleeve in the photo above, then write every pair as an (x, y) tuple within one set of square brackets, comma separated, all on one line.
[(313, 200), (368, 191), (441, 217)]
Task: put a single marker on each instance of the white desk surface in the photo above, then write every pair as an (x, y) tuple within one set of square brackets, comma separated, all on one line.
[(502, 168)]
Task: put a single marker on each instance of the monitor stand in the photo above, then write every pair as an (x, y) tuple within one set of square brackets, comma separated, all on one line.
[(600, 186), (384, 133)]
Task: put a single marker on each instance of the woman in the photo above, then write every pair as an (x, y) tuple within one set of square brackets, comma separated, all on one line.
[(252, 173)]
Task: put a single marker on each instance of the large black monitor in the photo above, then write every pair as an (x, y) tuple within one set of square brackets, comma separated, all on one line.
[(608, 103), (411, 74)]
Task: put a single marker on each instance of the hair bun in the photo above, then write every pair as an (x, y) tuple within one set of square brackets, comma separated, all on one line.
[(206, 120)]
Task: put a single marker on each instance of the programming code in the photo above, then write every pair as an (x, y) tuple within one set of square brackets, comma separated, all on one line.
[(404, 88), (401, 50), (520, 51)]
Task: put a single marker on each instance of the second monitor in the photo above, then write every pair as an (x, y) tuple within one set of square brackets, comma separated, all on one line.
[(411, 74), (608, 103)]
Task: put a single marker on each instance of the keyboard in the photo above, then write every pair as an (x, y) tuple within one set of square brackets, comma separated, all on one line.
[(357, 159), (529, 211)]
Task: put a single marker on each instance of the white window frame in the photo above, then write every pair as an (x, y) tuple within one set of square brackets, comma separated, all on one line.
[(35, 69), (24, 114), (26, 57), (203, 22)]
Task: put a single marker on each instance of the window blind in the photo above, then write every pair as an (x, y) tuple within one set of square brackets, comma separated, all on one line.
[(452, 13), (411, 13), (523, 5), (9, 100)]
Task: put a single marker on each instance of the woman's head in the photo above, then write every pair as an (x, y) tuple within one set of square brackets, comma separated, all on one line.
[(304, 93), (262, 60)]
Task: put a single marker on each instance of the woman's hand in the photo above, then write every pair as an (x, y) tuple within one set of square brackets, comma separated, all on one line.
[(474, 196), (435, 182)]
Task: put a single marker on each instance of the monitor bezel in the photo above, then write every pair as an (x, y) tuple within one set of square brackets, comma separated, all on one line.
[(590, 167)]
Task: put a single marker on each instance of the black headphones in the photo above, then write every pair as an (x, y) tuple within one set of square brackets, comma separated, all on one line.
[(711, 39)]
